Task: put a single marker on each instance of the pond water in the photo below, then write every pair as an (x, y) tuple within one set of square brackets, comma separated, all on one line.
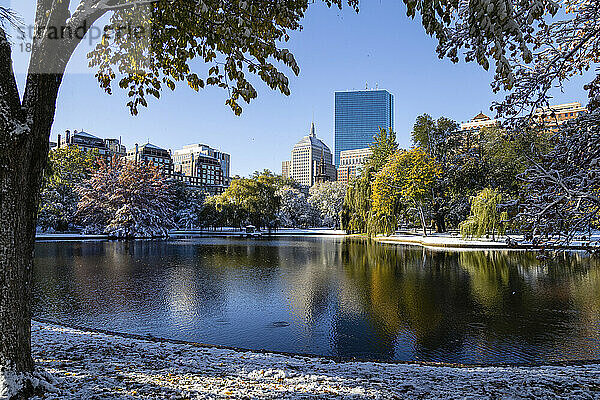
[(329, 296)]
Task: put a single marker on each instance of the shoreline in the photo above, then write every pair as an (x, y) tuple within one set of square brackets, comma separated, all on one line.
[(447, 242), (434, 241), (89, 364), (56, 237), (326, 358)]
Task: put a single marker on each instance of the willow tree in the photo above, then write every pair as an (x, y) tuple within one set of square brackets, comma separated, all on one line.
[(485, 216), (192, 42), (356, 215)]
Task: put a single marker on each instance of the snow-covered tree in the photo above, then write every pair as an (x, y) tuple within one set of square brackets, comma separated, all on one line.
[(129, 200), (294, 209), (562, 188), (142, 201), (94, 210), (328, 199), (67, 168), (188, 204)]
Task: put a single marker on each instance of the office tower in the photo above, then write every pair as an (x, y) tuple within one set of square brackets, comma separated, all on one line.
[(311, 161), (188, 159), (358, 117), (285, 169)]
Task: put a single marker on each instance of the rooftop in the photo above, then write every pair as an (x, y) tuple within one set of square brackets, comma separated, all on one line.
[(151, 146), (312, 140), (86, 135), (481, 117)]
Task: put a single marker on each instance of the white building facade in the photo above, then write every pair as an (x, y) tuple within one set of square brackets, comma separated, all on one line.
[(310, 156)]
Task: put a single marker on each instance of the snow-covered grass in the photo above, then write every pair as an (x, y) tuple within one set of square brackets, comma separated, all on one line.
[(91, 365), (11, 383)]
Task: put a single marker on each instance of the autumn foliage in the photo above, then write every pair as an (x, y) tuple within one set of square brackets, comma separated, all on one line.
[(405, 183)]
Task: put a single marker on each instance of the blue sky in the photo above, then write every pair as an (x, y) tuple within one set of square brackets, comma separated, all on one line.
[(336, 50)]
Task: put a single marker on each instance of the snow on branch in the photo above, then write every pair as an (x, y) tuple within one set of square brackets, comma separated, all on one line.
[(562, 188)]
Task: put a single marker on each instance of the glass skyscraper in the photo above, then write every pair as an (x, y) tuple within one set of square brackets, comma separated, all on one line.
[(358, 117)]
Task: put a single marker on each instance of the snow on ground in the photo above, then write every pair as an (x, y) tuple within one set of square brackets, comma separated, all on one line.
[(445, 240), (448, 240), (91, 365), (68, 236)]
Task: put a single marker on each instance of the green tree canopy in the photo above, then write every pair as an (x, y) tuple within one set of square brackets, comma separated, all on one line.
[(254, 199), (232, 39), (383, 146), (436, 137)]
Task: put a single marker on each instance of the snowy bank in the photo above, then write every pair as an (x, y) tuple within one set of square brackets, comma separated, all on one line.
[(444, 240), (92, 365), (447, 240), (67, 236)]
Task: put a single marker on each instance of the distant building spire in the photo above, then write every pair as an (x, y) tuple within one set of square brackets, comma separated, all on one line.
[(312, 129), (321, 175)]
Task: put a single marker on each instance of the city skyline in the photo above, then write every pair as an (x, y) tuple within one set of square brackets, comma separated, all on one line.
[(398, 56)]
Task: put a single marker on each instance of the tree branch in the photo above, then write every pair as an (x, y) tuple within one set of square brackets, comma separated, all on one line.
[(9, 93)]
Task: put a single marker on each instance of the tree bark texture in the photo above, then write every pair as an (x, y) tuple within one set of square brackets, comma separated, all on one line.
[(24, 143), (24, 134)]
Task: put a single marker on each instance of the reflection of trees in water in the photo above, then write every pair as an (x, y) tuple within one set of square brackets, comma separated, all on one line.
[(586, 294), (406, 288), (95, 278), (51, 289), (312, 277), (541, 303), (516, 284), (445, 298)]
